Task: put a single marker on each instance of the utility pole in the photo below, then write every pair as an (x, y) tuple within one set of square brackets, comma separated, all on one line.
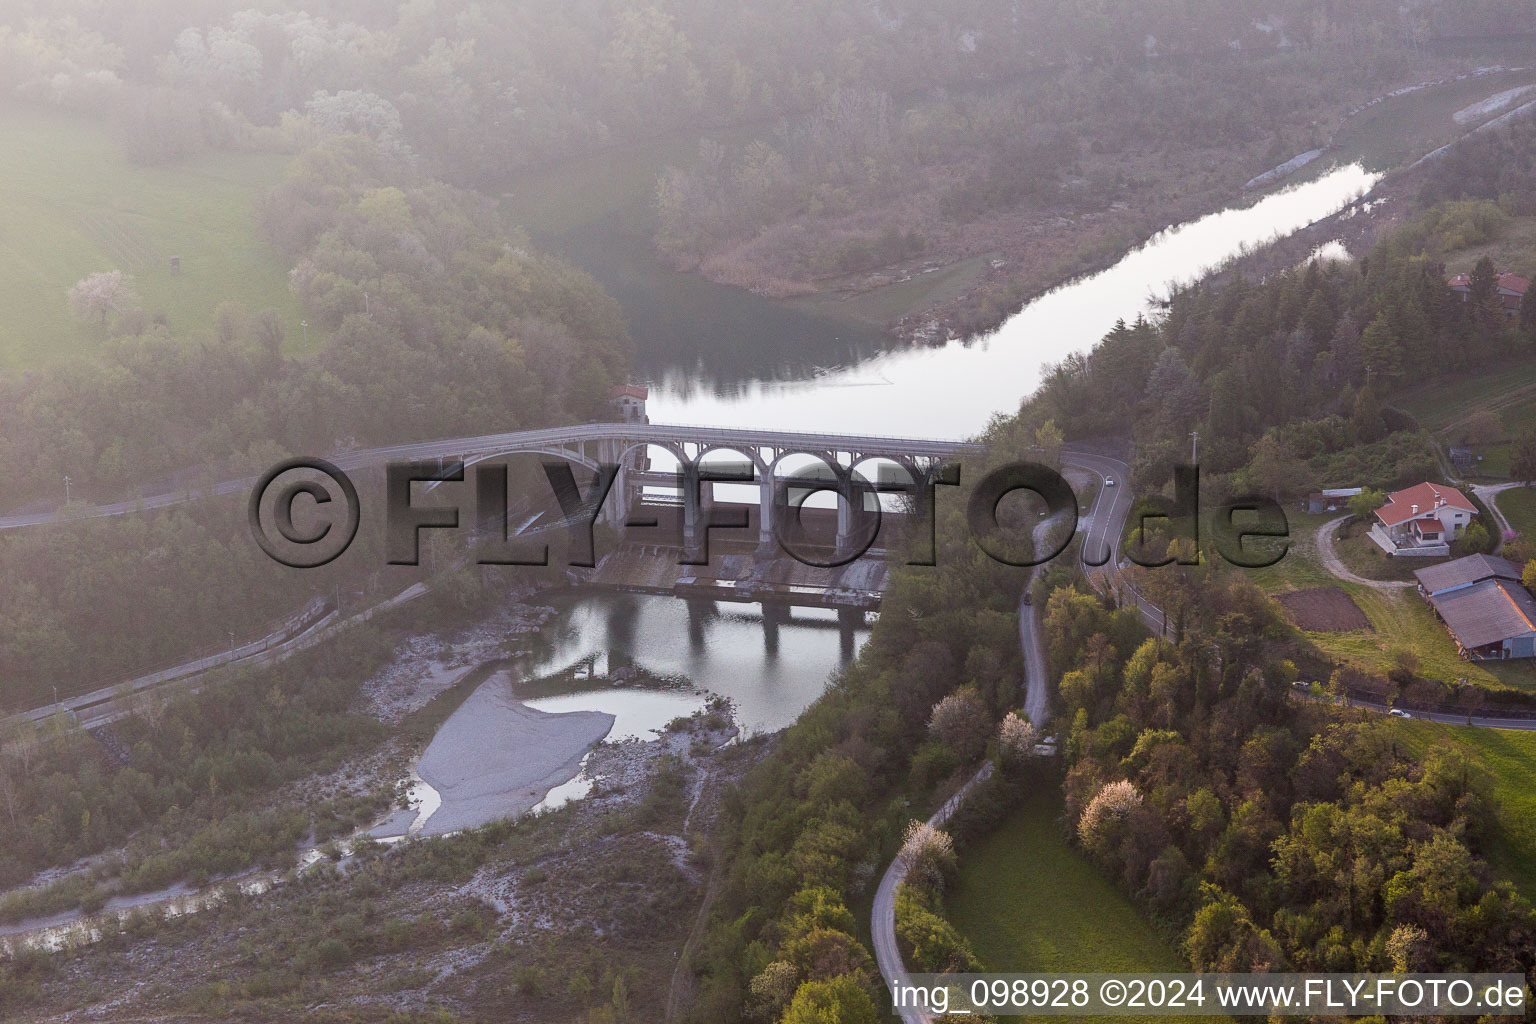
[(66, 488), (231, 645), (366, 310), (305, 324), (1194, 447)]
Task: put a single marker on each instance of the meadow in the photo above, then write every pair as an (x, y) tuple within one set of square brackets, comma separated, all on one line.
[(1509, 755), (1447, 401), (71, 204), (1519, 507), (1400, 618), (1027, 901)]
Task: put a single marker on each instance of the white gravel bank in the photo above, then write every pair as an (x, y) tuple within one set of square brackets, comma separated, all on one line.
[(496, 757)]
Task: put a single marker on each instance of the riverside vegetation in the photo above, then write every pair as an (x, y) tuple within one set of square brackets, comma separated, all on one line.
[(850, 144), (1190, 777), (1219, 806)]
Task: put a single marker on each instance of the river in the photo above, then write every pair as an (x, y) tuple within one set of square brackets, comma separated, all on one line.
[(949, 390), (769, 671), (772, 672), (952, 390)]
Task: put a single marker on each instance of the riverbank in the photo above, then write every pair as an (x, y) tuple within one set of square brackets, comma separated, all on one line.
[(957, 276), (496, 757)]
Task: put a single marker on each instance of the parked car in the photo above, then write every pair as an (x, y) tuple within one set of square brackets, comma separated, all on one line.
[(1399, 713)]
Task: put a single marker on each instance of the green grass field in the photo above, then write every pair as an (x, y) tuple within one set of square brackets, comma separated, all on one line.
[(1509, 755), (1400, 619), (1511, 390), (1364, 557), (71, 204), (1028, 901), (1519, 507)]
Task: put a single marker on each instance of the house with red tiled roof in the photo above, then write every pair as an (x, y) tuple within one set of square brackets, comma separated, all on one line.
[(1422, 520), (630, 401), (1511, 290)]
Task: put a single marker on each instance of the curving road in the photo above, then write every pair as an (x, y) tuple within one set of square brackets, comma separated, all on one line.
[(1102, 526), (1488, 494), (1332, 562), (887, 952)]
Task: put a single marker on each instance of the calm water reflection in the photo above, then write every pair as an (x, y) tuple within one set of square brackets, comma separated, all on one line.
[(721, 356), (952, 390), (771, 671)]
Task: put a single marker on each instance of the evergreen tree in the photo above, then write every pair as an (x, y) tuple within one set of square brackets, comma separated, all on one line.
[(1366, 420)]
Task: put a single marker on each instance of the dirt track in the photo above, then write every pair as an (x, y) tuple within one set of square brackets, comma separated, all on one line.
[(1331, 562)]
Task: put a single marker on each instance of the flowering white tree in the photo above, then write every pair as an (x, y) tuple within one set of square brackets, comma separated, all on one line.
[(101, 294), (1016, 739), (356, 112), (928, 852), (1112, 804), (962, 722)]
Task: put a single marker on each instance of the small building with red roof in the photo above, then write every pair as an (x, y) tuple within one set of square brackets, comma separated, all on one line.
[(1422, 520), (630, 401), (1511, 289)]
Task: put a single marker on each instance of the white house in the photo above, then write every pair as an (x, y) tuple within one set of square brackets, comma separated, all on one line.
[(629, 399), (1422, 520)]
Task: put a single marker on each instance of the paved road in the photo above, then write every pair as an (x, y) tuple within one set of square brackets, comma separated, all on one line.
[(887, 952), (1443, 718), (1331, 562), (1102, 526), (550, 438), (1037, 698)]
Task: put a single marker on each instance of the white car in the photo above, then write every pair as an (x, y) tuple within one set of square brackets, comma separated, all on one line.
[(1109, 481), (1399, 713)]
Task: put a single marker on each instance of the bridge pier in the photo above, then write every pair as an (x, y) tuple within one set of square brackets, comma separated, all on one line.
[(615, 510), (846, 495), (700, 611), (693, 512), (774, 616), (765, 542), (848, 621)]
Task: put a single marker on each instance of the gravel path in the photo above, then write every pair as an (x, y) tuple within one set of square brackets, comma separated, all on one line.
[(1330, 559), (1488, 495)]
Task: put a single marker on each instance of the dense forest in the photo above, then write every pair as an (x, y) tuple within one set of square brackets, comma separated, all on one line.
[(189, 793), (863, 181), (1221, 807), (1241, 806), (1289, 381), (479, 87), (442, 324)]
